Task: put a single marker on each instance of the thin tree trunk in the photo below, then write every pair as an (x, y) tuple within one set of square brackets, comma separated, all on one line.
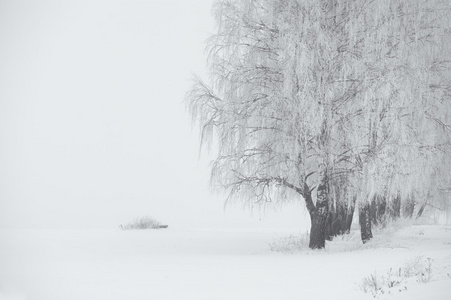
[(373, 210), (333, 224), (340, 222), (349, 215), (378, 210), (395, 207), (421, 210), (409, 207), (330, 220), (365, 223), (382, 211)]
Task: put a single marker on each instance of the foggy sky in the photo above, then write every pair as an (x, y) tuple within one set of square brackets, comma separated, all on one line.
[(93, 128)]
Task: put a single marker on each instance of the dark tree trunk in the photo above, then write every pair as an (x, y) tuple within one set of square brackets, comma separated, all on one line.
[(409, 207), (332, 224), (318, 217), (421, 210), (378, 210), (318, 229), (340, 223), (330, 219), (395, 207), (365, 223), (318, 213), (339, 219), (373, 210), (334, 216), (382, 210)]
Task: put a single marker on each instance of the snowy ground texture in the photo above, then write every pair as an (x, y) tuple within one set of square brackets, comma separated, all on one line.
[(222, 264)]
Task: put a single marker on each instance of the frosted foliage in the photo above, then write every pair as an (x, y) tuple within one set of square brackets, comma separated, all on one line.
[(405, 111), (355, 90)]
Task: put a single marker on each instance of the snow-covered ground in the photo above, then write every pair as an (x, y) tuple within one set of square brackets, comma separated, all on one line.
[(178, 263)]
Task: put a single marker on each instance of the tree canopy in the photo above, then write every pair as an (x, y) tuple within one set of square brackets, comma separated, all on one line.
[(351, 98)]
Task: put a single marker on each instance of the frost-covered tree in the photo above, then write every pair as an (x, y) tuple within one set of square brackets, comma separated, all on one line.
[(271, 135), (407, 101), (390, 97), (323, 99)]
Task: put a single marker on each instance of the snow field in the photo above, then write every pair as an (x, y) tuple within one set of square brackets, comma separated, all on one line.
[(210, 264)]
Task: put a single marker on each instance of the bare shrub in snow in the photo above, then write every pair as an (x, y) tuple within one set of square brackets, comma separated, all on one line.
[(143, 223), (372, 284), (383, 284), (423, 270), (398, 279)]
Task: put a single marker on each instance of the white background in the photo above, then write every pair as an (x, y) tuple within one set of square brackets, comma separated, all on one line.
[(93, 127)]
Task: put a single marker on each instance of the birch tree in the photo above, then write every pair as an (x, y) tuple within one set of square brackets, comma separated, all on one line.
[(321, 99), (407, 103)]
